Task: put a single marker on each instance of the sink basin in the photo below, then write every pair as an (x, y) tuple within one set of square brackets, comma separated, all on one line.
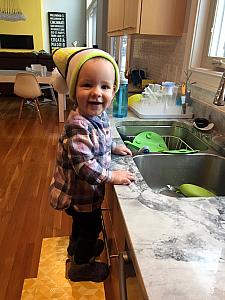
[(205, 170), (175, 133)]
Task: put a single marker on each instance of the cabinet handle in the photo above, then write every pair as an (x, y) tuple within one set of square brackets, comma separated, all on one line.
[(105, 209), (108, 256), (105, 241), (123, 258)]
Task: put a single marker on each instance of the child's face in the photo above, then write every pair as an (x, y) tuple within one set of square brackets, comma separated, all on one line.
[(95, 87)]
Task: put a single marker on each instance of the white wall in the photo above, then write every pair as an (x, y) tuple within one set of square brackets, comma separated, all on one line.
[(75, 20)]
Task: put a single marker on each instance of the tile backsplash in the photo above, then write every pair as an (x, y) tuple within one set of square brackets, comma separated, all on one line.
[(161, 57), (203, 107)]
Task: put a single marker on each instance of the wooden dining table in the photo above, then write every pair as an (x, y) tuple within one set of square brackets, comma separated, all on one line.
[(10, 76)]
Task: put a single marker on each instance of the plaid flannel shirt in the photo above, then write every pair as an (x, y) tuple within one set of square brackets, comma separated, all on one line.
[(82, 163)]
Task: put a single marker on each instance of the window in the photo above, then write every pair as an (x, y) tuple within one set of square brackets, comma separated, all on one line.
[(217, 43), (91, 22), (214, 44), (202, 33), (118, 50), (113, 47), (123, 53)]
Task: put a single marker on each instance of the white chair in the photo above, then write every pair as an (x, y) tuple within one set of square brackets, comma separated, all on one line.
[(27, 88), (37, 68)]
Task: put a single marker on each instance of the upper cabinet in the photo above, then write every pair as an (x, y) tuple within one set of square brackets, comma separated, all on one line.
[(161, 17), (115, 16)]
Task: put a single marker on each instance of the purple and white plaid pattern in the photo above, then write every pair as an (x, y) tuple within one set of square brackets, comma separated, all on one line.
[(82, 163)]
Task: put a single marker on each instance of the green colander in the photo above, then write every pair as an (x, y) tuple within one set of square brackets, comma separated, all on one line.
[(155, 143), (149, 139)]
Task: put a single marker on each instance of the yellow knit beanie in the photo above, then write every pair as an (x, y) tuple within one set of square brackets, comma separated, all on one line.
[(69, 61)]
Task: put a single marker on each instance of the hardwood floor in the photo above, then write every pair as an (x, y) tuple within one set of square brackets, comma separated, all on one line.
[(27, 153)]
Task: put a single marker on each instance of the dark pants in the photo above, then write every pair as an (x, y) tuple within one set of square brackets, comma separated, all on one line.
[(85, 232)]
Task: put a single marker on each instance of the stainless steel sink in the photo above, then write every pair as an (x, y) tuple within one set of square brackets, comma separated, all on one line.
[(205, 170), (178, 131), (160, 170)]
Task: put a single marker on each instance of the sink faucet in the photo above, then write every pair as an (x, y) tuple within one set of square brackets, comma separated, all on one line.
[(220, 94)]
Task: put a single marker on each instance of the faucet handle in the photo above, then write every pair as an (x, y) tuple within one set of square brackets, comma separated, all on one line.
[(220, 94)]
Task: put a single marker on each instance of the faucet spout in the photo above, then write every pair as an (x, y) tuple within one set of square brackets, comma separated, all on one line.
[(220, 94)]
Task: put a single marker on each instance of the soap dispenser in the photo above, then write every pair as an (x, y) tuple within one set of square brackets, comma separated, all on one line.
[(120, 103)]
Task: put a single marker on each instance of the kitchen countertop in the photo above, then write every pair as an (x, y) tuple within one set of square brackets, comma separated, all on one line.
[(177, 244)]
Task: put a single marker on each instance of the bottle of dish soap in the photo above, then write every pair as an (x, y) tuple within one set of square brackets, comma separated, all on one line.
[(120, 103)]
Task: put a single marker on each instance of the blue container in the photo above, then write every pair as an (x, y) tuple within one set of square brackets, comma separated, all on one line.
[(120, 103)]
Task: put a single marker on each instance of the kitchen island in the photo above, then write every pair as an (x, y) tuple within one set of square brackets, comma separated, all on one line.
[(177, 245)]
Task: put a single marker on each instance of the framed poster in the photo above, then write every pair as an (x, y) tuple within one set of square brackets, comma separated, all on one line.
[(57, 30)]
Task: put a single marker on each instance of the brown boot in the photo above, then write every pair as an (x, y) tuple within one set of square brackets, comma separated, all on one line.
[(95, 271)]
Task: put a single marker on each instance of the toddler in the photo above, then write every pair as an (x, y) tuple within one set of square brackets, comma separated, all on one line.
[(84, 154)]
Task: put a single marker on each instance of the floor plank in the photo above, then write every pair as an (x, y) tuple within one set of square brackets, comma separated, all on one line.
[(27, 153)]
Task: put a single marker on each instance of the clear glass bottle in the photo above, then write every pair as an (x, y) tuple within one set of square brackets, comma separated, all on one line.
[(120, 104)]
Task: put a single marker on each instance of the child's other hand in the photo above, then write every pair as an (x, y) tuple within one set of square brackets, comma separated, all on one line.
[(122, 150), (122, 177)]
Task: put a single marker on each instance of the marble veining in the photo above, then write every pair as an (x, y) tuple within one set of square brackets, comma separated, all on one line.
[(178, 243)]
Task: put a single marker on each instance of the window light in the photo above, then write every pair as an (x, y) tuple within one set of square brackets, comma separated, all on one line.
[(217, 45)]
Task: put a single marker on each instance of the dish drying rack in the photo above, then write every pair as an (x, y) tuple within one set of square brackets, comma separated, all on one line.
[(176, 143), (158, 112)]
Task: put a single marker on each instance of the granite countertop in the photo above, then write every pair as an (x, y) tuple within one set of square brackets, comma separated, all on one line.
[(177, 244)]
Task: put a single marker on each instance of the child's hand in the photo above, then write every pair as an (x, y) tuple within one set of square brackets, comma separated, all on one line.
[(121, 150), (122, 177)]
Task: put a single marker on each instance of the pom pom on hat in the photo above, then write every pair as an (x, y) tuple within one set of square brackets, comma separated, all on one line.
[(58, 82), (70, 60)]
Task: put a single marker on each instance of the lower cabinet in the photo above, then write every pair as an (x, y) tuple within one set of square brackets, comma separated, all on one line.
[(122, 282)]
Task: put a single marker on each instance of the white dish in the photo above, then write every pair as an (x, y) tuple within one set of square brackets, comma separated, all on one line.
[(207, 128)]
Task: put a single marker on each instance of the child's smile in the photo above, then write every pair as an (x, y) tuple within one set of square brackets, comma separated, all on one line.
[(96, 107), (95, 102)]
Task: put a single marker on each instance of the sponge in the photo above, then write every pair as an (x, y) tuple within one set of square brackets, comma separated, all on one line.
[(134, 98)]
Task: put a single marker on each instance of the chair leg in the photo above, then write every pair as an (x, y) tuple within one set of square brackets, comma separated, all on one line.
[(21, 108), (53, 95), (38, 109)]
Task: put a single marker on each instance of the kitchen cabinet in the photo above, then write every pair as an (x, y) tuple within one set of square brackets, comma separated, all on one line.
[(161, 17), (115, 238), (115, 16)]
